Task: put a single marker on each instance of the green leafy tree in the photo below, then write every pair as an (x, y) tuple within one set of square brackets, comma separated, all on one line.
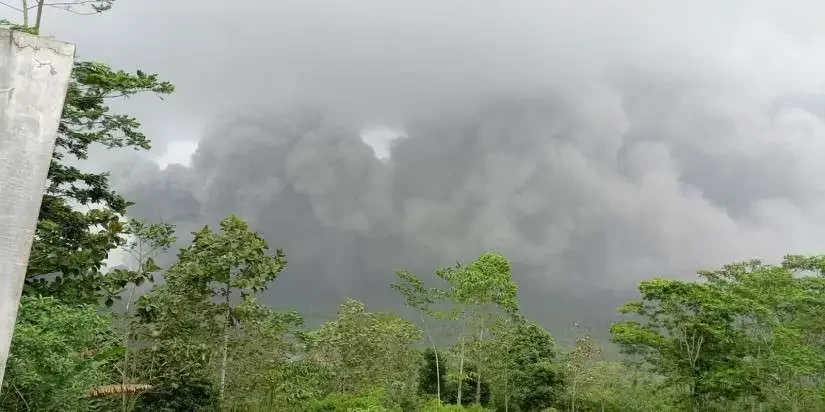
[(780, 362), (367, 401), (474, 295), (364, 350), (618, 387), (810, 279), (730, 338), (424, 299), (178, 333), (81, 216), (146, 242), (265, 345), (296, 383), (207, 308), (477, 291), (449, 390), (688, 326), (580, 366), (183, 393), (431, 375), (522, 365), (232, 265), (58, 352)]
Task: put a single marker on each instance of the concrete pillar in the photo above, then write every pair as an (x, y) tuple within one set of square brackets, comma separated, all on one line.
[(34, 76)]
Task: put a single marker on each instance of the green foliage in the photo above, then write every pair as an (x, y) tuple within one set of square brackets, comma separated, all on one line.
[(295, 384), (580, 366), (476, 295), (71, 244), (146, 242), (192, 332), (367, 401), (479, 292), (735, 337), (264, 346), (487, 280), (58, 352), (364, 349), (435, 406), (469, 385), (522, 365), (214, 265), (6, 24), (218, 263), (179, 332), (428, 377), (749, 336), (186, 393), (416, 295), (746, 337), (617, 387)]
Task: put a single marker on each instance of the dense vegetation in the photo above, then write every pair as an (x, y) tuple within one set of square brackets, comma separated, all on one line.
[(746, 337), (750, 336)]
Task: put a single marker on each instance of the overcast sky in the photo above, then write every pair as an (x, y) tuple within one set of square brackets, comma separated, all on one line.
[(386, 59), (596, 143)]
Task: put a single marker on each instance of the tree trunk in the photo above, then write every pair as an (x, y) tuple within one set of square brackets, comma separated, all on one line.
[(478, 368), (26, 13), (694, 402), (461, 364), (506, 390), (437, 376), (437, 367), (125, 374), (225, 358), (39, 17), (573, 397)]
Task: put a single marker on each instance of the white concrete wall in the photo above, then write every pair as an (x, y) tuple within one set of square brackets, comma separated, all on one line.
[(34, 75)]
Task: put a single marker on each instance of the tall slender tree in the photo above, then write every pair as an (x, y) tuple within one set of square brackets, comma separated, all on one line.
[(473, 293), (424, 299), (146, 242), (480, 289), (233, 265)]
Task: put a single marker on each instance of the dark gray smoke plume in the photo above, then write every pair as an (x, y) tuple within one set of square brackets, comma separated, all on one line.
[(582, 205), (595, 145)]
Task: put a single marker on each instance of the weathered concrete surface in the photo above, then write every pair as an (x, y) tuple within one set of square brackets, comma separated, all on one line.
[(34, 76)]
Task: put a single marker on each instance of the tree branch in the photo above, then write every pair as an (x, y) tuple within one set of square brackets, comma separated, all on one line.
[(70, 3), (15, 8), (69, 9)]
